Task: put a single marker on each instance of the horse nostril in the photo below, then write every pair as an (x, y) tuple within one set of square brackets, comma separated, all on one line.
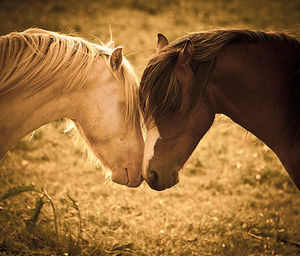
[(153, 180), (153, 177)]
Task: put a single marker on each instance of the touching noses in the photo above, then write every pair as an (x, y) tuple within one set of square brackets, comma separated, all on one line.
[(157, 182)]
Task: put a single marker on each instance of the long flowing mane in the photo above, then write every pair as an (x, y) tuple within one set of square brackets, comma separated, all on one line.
[(32, 59), (160, 92)]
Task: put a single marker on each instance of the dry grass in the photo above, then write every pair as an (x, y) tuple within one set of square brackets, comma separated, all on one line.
[(234, 197)]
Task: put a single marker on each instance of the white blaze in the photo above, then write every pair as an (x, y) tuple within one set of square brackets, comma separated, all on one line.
[(151, 139)]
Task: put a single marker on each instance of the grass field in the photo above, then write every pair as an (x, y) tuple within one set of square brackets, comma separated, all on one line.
[(234, 197)]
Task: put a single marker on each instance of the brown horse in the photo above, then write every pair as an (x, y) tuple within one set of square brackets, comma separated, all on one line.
[(251, 77)]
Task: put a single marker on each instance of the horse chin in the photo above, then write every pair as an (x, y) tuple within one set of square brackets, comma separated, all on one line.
[(124, 178)]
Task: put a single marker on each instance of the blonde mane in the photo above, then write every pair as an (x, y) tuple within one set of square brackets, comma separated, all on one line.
[(34, 58)]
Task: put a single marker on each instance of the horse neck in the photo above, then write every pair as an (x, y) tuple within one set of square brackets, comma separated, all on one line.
[(25, 111), (251, 85)]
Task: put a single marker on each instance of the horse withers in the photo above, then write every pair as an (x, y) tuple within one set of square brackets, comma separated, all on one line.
[(251, 77), (45, 76)]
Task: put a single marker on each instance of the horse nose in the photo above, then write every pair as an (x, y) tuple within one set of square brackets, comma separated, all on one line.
[(155, 181)]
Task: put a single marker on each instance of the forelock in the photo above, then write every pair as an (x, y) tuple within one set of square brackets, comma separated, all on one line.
[(160, 95)]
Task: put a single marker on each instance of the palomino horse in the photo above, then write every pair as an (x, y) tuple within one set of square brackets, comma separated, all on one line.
[(45, 76), (251, 77)]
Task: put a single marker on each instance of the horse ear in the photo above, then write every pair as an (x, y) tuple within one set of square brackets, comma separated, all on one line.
[(185, 55), (111, 45), (162, 41), (116, 58)]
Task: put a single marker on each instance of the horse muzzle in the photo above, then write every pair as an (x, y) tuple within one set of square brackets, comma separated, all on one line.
[(158, 182)]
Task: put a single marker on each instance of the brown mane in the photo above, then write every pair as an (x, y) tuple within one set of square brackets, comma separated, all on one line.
[(160, 94)]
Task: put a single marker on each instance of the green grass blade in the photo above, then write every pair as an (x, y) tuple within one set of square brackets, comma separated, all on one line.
[(16, 191), (38, 207)]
